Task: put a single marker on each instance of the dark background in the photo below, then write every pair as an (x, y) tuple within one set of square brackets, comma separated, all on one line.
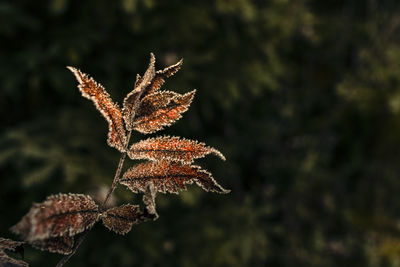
[(303, 98)]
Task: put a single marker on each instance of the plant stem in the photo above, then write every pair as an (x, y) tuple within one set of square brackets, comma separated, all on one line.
[(110, 191)]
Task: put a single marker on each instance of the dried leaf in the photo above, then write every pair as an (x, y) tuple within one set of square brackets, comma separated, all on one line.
[(161, 109), (171, 149), (60, 244), (103, 102), (58, 215), (131, 101), (168, 177), (149, 199), (13, 246), (161, 75), (120, 219)]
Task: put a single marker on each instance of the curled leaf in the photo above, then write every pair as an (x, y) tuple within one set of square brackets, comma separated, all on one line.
[(58, 215), (149, 199), (120, 219), (131, 101), (168, 177), (171, 149), (161, 109), (103, 102), (59, 244), (14, 246)]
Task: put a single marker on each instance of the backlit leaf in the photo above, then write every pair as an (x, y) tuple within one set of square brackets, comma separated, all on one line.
[(120, 219), (171, 149), (103, 102), (58, 215), (14, 246), (161, 75), (161, 109), (168, 177), (131, 101)]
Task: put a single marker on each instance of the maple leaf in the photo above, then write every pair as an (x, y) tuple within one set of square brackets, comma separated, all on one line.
[(150, 82), (103, 102), (168, 177), (161, 109), (59, 215), (59, 244), (171, 149), (120, 219), (14, 246)]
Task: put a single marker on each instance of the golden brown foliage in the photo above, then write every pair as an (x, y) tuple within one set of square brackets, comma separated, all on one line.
[(168, 177)]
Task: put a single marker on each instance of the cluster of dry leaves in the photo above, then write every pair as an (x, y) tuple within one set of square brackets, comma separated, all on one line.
[(53, 224)]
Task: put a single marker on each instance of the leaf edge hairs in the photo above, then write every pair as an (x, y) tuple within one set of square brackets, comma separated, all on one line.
[(54, 224)]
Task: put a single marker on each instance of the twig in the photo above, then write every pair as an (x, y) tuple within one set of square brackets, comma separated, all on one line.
[(110, 191)]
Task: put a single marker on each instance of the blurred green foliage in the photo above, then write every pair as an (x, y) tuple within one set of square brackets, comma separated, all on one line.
[(303, 98)]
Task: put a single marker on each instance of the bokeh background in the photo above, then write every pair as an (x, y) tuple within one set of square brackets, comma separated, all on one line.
[(302, 96)]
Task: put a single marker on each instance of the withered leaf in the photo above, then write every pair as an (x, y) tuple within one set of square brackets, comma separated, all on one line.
[(120, 219), (149, 200), (171, 149), (131, 101), (161, 109), (59, 244), (58, 215), (14, 246), (161, 75), (103, 102), (168, 177)]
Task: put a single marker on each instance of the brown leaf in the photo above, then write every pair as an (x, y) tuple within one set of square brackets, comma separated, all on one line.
[(120, 219), (131, 101), (168, 177), (149, 199), (58, 215), (103, 102), (161, 109), (161, 75), (60, 244), (13, 246), (171, 149)]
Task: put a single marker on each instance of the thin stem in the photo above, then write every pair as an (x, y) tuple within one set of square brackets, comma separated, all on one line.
[(110, 191)]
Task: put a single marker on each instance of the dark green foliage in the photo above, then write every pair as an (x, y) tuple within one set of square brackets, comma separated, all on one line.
[(302, 97)]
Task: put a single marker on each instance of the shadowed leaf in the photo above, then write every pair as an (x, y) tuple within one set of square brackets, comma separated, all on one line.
[(120, 219), (131, 101), (168, 177), (60, 244), (58, 215), (161, 109), (171, 149), (149, 199), (14, 246), (103, 102)]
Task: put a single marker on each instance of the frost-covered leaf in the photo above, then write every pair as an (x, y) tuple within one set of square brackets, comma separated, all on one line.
[(161, 75), (120, 219), (59, 244), (168, 177), (144, 86), (58, 215), (149, 200), (131, 101), (14, 246), (161, 109), (171, 149), (103, 102)]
